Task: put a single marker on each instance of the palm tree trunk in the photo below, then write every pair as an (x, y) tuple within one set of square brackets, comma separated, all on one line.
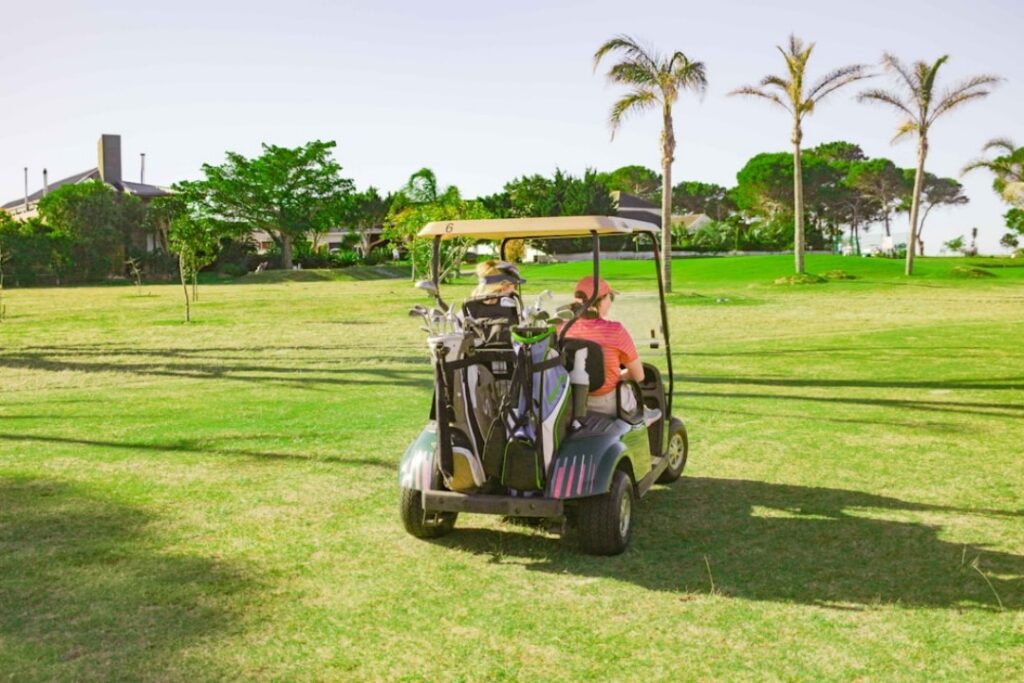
[(668, 148), (798, 201), (915, 206)]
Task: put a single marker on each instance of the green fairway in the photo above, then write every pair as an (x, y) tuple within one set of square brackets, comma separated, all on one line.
[(219, 500)]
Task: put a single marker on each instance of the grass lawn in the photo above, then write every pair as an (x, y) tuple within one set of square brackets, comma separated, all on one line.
[(219, 500)]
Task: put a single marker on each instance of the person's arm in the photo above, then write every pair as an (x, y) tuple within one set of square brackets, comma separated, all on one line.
[(634, 370), (633, 367)]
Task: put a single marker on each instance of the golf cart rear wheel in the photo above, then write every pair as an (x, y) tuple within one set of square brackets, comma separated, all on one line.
[(414, 518), (606, 522), (678, 450)]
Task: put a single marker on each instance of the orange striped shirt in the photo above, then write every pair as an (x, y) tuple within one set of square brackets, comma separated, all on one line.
[(616, 344)]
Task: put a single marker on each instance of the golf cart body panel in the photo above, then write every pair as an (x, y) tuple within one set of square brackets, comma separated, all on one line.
[(416, 469), (587, 460)]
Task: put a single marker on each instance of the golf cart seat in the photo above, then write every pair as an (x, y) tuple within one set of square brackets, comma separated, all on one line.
[(595, 359)]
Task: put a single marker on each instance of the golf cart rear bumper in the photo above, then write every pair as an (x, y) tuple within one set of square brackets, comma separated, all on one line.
[(446, 501)]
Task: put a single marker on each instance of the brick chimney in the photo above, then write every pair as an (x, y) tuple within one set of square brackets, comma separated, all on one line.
[(110, 158)]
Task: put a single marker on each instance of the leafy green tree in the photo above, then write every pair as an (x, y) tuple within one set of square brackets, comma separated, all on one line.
[(287, 192), (94, 222), (422, 201), (654, 81), (635, 180), (955, 244), (31, 251), (191, 234), (561, 195), (1008, 169), (1015, 222), (839, 152), (692, 196), (916, 99), (788, 92), (369, 211), (935, 191), (882, 182)]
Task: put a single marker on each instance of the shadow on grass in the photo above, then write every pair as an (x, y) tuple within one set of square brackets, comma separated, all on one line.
[(781, 543), (191, 446), (85, 594), (163, 364), (980, 384)]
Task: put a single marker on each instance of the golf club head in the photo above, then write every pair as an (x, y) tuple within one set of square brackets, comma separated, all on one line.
[(427, 286)]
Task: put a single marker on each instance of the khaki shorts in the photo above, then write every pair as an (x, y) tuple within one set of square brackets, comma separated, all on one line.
[(605, 404)]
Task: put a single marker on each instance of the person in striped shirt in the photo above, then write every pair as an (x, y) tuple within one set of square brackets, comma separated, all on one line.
[(621, 360)]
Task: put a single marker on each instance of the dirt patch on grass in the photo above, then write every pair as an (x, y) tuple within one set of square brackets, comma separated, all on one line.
[(801, 279), (970, 272)]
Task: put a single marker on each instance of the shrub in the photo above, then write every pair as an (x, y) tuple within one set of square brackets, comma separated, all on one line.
[(343, 258)]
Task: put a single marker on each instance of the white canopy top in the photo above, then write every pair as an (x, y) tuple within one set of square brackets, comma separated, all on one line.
[(516, 228)]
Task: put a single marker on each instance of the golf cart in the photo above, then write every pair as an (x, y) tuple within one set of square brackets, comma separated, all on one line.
[(509, 431)]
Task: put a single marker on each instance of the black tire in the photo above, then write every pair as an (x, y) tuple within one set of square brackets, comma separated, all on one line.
[(606, 521), (677, 452), (410, 506)]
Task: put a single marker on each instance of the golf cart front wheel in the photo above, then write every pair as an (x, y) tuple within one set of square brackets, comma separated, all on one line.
[(677, 452), (606, 522), (415, 518)]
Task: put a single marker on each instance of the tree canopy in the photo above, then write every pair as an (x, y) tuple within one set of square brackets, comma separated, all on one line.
[(286, 192)]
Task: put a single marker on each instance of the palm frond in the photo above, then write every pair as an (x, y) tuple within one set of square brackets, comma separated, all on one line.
[(886, 97), (776, 81), (632, 72), (975, 164), (928, 75), (634, 102), (796, 45), (751, 91), (954, 102), (969, 89), (836, 79), (688, 75), (892, 63), (1004, 144), (631, 48), (905, 129)]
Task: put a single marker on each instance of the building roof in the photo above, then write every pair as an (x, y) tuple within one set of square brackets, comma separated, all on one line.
[(520, 228), (692, 221), (139, 189), (631, 201), (70, 180)]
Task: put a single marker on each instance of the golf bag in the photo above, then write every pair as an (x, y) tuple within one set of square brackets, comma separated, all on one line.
[(462, 403), (534, 416)]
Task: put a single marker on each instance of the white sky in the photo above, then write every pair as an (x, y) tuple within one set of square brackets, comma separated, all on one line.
[(478, 91)]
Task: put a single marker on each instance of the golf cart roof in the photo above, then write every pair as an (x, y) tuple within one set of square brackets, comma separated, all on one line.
[(513, 228)]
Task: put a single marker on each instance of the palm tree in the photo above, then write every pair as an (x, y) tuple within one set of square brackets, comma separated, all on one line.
[(788, 92), (916, 100), (655, 80), (1008, 169)]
